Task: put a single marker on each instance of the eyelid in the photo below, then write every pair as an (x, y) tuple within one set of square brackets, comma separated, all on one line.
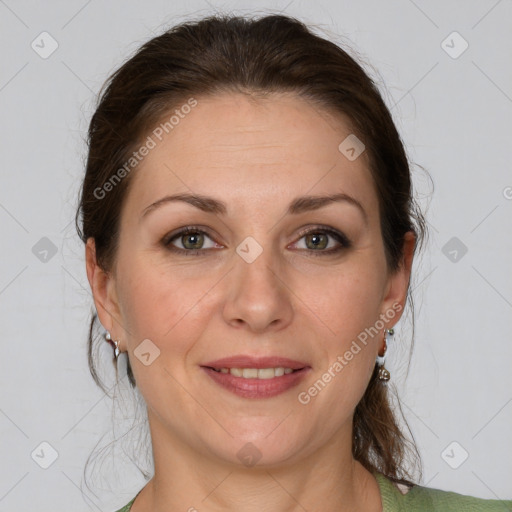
[(170, 237), (341, 238), (185, 230)]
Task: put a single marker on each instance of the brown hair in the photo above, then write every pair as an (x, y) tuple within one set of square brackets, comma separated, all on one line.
[(274, 53)]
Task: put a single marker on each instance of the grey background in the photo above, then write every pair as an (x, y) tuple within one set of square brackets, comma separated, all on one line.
[(454, 114)]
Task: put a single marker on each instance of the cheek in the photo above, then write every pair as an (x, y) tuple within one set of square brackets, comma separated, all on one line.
[(351, 309), (171, 309), (348, 300), (157, 302), (349, 304)]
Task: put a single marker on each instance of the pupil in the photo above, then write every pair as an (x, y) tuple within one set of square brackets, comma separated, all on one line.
[(319, 241), (192, 241)]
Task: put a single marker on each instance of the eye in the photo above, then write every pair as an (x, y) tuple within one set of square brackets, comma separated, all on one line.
[(192, 240), (189, 240), (322, 240)]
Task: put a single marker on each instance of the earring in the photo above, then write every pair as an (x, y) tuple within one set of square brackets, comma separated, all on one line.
[(384, 374), (108, 338)]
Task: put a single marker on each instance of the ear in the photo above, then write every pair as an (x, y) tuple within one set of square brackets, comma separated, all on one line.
[(398, 283), (103, 289)]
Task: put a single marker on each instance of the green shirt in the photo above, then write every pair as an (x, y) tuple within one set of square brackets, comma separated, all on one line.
[(423, 499)]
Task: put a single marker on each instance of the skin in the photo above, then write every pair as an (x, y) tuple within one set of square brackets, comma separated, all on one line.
[(256, 156)]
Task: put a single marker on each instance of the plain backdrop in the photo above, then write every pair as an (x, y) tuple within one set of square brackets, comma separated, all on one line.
[(444, 69)]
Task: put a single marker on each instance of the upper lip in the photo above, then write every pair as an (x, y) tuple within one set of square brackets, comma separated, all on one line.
[(244, 361)]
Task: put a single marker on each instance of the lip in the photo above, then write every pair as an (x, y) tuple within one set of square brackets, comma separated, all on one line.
[(256, 388), (244, 361)]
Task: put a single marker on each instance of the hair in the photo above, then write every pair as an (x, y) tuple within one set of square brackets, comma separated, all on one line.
[(256, 56)]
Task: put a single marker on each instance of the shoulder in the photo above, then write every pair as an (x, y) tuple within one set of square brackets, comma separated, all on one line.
[(451, 501), (421, 499), (127, 507)]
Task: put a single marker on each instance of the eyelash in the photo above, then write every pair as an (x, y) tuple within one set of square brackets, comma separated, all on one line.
[(344, 242)]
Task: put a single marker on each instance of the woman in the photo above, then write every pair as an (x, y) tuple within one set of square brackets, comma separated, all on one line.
[(250, 228)]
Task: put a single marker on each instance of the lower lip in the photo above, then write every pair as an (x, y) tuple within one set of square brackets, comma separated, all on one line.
[(257, 388)]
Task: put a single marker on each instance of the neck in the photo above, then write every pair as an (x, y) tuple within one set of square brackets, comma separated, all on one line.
[(186, 479)]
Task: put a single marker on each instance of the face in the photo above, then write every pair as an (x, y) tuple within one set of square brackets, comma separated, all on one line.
[(265, 270)]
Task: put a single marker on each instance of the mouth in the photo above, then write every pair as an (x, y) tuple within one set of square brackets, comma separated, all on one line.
[(250, 377)]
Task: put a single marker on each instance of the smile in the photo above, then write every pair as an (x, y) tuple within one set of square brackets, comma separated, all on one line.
[(256, 383)]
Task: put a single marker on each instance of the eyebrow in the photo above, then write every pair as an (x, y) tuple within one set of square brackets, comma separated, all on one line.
[(299, 205)]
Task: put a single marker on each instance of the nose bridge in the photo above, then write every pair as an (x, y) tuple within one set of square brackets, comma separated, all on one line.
[(256, 264), (261, 257)]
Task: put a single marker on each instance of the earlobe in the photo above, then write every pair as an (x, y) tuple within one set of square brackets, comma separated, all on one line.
[(102, 288)]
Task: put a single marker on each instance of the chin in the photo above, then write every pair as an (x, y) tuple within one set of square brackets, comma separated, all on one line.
[(252, 451)]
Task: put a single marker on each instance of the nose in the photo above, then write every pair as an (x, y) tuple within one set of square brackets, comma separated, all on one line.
[(258, 298)]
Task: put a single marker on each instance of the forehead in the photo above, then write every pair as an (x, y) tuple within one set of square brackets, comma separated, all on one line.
[(232, 145)]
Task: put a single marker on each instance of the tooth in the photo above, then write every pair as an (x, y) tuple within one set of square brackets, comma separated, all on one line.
[(255, 373), (250, 373), (266, 373)]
